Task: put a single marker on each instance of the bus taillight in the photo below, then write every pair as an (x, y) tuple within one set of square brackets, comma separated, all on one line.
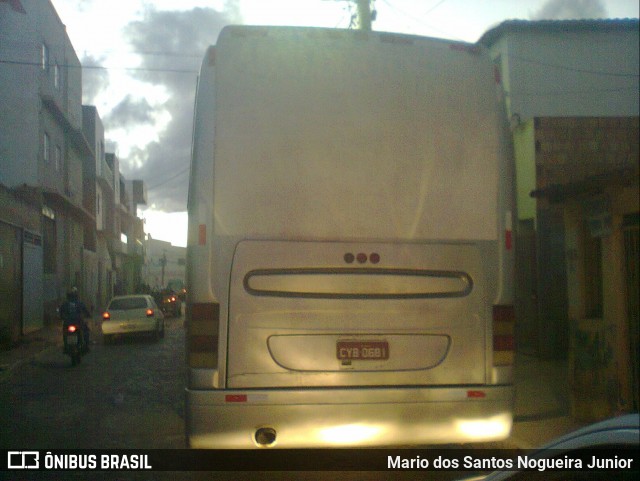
[(504, 318), (202, 335)]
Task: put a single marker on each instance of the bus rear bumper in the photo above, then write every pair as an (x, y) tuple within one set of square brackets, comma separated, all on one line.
[(366, 417)]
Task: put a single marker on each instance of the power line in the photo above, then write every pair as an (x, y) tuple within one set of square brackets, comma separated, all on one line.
[(421, 22), (433, 8), (173, 177), (574, 69), (550, 93), (145, 53), (100, 67)]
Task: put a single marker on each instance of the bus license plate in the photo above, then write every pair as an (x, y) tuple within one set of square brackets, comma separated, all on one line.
[(72, 339), (362, 350)]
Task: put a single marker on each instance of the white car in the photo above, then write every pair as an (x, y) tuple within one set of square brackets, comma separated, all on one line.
[(132, 315)]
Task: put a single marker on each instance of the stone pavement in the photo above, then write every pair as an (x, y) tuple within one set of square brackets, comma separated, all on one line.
[(542, 391)]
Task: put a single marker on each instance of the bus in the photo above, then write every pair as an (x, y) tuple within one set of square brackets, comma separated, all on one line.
[(350, 250)]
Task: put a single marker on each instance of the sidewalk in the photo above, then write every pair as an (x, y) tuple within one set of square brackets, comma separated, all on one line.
[(35, 343), (29, 348), (543, 403)]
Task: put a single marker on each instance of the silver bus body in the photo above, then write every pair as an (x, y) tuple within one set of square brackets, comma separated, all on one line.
[(350, 257)]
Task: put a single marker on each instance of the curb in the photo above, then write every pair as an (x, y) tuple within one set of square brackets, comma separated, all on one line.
[(6, 369)]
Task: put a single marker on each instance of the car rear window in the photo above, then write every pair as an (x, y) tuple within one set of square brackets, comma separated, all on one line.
[(128, 303)]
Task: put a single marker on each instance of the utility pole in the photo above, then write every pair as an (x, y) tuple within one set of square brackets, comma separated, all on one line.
[(365, 16), (163, 263)]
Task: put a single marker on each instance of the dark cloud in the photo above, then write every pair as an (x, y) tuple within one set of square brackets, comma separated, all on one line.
[(129, 111), (94, 78), (171, 45), (571, 9)]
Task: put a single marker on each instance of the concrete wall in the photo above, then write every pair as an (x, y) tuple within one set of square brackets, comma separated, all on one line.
[(600, 364), (525, 158), (575, 72), (175, 263), (20, 253)]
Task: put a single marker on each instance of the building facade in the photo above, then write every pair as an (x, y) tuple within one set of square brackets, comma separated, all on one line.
[(164, 263), (20, 266), (66, 204), (41, 141), (572, 95), (589, 168)]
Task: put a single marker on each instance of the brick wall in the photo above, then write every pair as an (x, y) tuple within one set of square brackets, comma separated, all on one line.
[(573, 149)]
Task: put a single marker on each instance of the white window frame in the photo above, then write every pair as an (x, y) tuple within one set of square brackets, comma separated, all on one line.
[(56, 76), (45, 57)]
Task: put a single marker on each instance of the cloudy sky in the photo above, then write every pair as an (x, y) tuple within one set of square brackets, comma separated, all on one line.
[(141, 58)]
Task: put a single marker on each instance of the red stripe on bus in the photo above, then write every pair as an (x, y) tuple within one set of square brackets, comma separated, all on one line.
[(236, 398)]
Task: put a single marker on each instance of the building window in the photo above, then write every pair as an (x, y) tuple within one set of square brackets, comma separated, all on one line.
[(46, 146), (58, 158), (497, 69), (56, 76), (45, 57), (48, 212)]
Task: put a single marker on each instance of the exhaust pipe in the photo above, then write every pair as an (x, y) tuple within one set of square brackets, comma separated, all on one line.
[(265, 437)]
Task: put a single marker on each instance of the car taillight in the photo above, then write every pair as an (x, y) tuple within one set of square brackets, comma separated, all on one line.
[(106, 316), (203, 320), (173, 299), (72, 328), (504, 318), (149, 312)]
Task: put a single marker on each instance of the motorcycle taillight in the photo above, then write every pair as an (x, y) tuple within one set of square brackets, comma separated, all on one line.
[(72, 328)]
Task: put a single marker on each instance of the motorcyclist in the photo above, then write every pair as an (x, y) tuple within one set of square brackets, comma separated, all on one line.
[(74, 311)]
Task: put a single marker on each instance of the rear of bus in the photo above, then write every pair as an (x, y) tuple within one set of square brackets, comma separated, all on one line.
[(350, 262)]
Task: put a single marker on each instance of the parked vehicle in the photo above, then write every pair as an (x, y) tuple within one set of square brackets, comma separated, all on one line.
[(618, 439), (350, 257), (133, 314), (74, 342)]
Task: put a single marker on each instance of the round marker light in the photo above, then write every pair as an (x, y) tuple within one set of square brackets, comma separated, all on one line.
[(349, 258), (362, 258), (374, 258)]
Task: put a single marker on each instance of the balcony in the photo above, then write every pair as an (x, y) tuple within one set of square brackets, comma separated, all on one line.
[(75, 135), (104, 175)]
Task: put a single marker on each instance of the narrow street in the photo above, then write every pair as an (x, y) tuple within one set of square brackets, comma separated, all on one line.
[(125, 395), (128, 394)]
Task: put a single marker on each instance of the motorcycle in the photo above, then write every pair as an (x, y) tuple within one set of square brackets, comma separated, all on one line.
[(74, 342)]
